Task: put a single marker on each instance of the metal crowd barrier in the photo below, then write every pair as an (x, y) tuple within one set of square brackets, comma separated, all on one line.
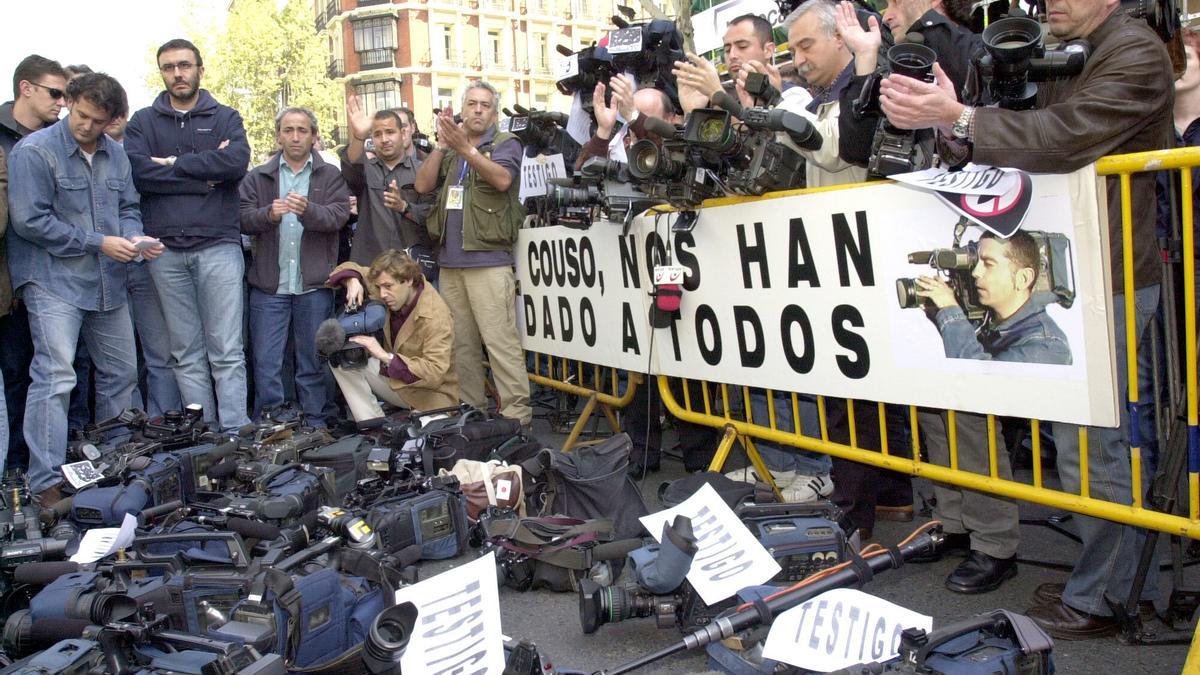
[(722, 410), (600, 386)]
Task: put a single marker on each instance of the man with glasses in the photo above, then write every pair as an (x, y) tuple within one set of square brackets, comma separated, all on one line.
[(189, 153), (75, 227), (38, 97), (391, 213)]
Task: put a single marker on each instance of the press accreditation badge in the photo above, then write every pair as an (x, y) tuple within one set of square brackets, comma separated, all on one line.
[(454, 200)]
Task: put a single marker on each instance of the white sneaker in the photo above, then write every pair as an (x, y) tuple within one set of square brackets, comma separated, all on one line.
[(748, 474), (807, 488)]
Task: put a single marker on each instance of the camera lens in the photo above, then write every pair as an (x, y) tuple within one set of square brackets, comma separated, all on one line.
[(599, 605), (906, 293), (644, 156), (912, 60), (388, 638), (1012, 39)]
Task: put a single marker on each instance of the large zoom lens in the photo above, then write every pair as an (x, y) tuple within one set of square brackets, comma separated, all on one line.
[(912, 60), (647, 161), (906, 293), (599, 605), (963, 258), (574, 196), (1012, 39)]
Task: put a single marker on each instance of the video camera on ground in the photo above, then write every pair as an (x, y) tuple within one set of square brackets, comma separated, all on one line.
[(803, 538), (332, 336), (23, 537), (145, 645), (148, 481), (997, 642), (1055, 276)]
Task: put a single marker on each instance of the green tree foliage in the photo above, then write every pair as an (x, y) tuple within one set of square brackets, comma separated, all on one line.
[(266, 59)]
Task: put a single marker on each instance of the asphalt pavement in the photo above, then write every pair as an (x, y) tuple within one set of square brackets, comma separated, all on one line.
[(551, 620)]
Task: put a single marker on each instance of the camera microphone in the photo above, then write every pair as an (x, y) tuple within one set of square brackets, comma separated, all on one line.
[(725, 102), (661, 127), (330, 337)]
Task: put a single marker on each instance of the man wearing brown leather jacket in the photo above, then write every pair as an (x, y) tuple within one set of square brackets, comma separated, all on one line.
[(1121, 102)]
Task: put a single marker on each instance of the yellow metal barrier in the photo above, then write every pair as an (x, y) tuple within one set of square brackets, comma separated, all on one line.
[(598, 385), (1123, 166)]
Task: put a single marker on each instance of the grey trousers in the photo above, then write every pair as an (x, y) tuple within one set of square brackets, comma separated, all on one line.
[(993, 522)]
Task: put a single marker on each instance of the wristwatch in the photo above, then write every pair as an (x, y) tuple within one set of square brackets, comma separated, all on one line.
[(962, 126)]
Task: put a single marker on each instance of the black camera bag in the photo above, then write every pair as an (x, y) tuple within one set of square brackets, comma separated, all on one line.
[(436, 521), (552, 552), (590, 482), (347, 457), (467, 433)]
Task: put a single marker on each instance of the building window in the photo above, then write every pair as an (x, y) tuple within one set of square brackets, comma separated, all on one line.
[(378, 95), (541, 53), (445, 98), (375, 42), (493, 48), (541, 101), (441, 43)]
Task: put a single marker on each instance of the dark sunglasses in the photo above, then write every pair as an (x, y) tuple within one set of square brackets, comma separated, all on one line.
[(54, 93)]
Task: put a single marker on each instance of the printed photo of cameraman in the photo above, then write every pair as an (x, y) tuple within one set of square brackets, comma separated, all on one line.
[(1015, 326)]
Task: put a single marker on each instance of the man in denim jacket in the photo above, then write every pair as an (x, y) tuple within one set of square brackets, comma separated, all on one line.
[(1018, 328), (75, 226)]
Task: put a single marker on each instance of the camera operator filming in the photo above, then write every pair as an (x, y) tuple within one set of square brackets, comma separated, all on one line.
[(1119, 102), (415, 369)]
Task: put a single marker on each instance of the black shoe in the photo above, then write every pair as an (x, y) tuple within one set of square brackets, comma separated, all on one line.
[(981, 573), (953, 543), (637, 469)]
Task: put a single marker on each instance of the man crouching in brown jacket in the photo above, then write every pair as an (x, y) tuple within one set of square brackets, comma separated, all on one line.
[(413, 367)]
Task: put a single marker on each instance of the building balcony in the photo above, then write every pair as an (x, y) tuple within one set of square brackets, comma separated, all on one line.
[(545, 7), (496, 5), (368, 3), (340, 135), (337, 68), (322, 20), (333, 8), (377, 58)]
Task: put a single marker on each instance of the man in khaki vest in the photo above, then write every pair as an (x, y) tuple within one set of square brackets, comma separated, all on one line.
[(474, 225)]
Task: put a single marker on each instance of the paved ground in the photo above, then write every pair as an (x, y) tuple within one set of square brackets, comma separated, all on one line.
[(552, 619)]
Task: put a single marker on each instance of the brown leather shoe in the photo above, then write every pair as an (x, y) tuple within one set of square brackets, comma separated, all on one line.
[(1064, 622), (1051, 594), (49, 497)]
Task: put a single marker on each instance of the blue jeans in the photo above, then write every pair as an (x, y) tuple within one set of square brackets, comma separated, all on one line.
[(15, 356), (162, 393), (271, 316), (201, 296), (3, 426), (791, 459), (56, 326), (1109, 557)]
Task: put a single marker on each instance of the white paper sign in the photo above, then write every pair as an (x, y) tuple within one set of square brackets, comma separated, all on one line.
[(458, 621), (568, 67), (840, 628), (81, 474), (668, 274), (729, 558), (974, 179), (536, 173), (579, 123), (104, 541)]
